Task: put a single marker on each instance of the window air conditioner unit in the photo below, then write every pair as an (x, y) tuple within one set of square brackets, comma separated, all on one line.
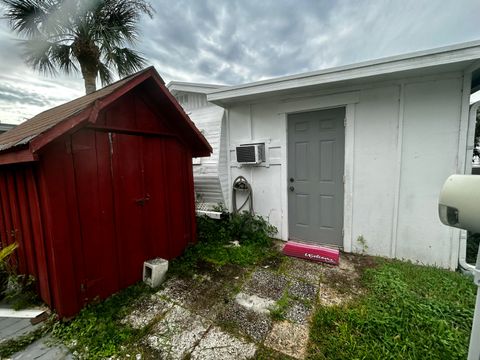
[(250, 154)]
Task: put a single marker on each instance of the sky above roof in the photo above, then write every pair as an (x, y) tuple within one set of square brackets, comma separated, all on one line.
[(238, 41)]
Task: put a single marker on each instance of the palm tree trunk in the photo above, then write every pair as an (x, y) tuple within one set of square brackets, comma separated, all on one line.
[(89, 78)]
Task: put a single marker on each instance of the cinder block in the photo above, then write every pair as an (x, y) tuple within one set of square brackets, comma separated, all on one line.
[(155, 271)]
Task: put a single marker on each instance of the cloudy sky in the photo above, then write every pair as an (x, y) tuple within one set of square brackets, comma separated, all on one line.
[(233, 42)]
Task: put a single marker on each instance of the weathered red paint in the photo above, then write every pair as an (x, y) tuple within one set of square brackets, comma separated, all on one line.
[(107, 192)]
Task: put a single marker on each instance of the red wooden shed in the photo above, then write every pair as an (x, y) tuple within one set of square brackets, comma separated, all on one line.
[(93, 188)]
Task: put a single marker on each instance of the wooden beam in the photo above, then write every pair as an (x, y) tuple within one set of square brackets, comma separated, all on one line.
[(20, 156), (123, 130)]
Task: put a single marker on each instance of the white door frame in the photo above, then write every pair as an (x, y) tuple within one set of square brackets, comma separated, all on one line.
[(347, 100)]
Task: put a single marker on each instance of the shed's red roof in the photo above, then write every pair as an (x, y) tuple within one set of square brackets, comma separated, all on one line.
[(25, 133)]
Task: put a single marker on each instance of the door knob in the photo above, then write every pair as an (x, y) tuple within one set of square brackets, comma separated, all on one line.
[(292, 179), (291, 188)]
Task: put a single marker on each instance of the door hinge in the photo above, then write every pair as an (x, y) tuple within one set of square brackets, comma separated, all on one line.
[(343, 179), (343, 232), (345, 122)]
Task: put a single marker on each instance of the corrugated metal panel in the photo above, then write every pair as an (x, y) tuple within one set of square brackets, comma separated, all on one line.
[(210, 174), (223, 164), (20, 222)]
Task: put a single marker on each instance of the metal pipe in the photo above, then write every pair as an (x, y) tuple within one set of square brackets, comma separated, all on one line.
[(474, 347)]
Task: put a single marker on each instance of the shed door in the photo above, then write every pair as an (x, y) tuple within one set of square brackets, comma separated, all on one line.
[(140, 192), (315, 176)]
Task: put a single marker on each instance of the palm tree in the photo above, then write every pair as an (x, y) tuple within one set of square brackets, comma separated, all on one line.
[(88, 34)]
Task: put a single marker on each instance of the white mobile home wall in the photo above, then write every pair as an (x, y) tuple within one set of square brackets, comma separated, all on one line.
[(403, 138), (209, 173)]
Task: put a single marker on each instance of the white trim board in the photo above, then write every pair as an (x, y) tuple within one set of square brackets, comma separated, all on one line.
[(21, 314)]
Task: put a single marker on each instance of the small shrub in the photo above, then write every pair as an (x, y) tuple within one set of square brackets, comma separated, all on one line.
[(5, 270), (242, 239), (21, 291)]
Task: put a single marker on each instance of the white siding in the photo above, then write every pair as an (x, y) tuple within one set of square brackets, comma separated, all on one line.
[(210, 181), (191, 101), (405, 144)]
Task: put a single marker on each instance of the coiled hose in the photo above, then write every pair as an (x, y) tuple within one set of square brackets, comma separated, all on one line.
[(241, 185)]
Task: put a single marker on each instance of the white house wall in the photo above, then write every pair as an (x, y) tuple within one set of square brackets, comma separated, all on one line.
[(401, 144), (429, 156), (376, 127)]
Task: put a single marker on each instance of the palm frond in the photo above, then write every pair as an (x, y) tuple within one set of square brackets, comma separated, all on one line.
[(62, 56), (115, 21), (7, 251), (38, 54), (105, 74), (126, 61), (24, 16), (69, 35)]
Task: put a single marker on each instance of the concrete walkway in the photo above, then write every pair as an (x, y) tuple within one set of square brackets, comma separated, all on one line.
[(41, 349), (227, 314), (15, 328)]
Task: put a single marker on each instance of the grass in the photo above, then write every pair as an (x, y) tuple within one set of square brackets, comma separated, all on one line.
[(408, 312), (97, 332), (278, 311)]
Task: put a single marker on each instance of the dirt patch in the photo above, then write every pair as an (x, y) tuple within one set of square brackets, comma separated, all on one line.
[(344, 280), (207, 293), (274, 261)]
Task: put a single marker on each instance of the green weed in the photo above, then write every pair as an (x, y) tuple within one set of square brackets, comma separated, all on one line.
[(97, 331), (242, 239), (409, 312), (277, 312)]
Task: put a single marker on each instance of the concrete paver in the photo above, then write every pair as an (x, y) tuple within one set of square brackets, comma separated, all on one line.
[(288, 338), (175, 336), (218, 345)]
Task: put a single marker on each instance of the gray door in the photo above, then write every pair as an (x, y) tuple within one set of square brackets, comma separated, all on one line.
[(315, 176)]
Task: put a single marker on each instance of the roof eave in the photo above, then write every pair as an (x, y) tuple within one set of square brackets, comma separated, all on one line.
[(391, 65)]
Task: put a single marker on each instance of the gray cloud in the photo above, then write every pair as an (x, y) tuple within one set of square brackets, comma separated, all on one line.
[(237, 41), (10, 93)]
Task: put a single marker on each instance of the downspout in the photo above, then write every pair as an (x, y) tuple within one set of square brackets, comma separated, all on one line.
[(462, 253)]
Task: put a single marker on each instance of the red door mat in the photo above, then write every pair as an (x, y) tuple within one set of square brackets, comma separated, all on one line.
[(312, 252)]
